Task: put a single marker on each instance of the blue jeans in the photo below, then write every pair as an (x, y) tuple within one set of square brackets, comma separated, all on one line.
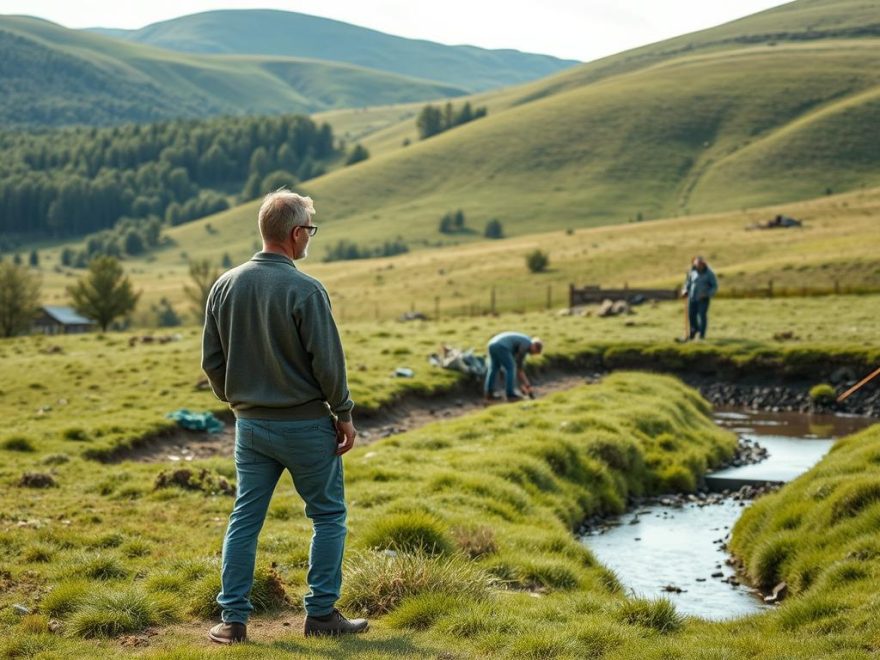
[(500, 357), (263, 450), (698, 314)]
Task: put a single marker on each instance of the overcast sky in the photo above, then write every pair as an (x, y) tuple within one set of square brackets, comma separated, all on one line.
[(575, 29)]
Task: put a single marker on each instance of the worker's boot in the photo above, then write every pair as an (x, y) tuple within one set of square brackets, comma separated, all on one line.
[(228, 633), (334, 624)]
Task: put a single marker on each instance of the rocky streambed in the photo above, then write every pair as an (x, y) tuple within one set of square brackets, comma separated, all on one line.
[(676, 545)]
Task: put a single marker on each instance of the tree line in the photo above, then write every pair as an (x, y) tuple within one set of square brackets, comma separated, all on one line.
[(432, 119), (76, 181)]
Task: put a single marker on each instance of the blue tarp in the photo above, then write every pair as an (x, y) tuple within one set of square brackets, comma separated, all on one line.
[(196, 421)]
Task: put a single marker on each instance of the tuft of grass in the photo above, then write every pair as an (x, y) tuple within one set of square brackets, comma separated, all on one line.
[(545, 642), (767, 562), (475, 540), (376, 583), (658, 614), (420, 612), (481, 618), (19, 443), (411, 532), (39, 553), (64, 598), (34, 624), (102, 567), (853, 498), (55, 459), (823, 394), (267, 595), (110, 612), (75, 434)]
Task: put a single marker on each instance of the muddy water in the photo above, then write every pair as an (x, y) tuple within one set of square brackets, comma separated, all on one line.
[(657, 547)]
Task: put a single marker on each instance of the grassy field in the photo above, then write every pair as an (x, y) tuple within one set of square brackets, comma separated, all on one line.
[(92, 393), (111, 550), (835, 246)]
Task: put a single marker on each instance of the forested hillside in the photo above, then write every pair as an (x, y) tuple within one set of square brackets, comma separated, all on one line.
[(68, 182), (53, 76)]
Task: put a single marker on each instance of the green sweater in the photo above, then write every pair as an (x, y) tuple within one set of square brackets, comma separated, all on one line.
[(270, 346)]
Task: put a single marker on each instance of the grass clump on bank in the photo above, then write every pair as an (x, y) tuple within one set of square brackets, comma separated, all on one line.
[(819, 535)]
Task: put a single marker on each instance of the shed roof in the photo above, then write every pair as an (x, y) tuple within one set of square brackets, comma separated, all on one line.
[(66, 315)]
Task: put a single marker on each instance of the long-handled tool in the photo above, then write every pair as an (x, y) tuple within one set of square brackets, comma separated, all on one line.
[(857, 386)]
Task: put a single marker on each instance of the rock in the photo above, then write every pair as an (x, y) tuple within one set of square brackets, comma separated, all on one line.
[(20, 610), (717, 574), (672, 589)]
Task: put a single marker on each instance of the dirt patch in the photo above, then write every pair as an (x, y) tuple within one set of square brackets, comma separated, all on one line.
[(408, 414), (262, 631)]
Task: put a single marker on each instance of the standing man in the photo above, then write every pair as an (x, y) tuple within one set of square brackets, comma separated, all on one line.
[(272, 351), (508, 351), (699, 287)]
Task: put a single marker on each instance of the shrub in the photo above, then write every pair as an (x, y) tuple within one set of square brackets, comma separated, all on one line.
[(659, 614), (376, 583), (537, 261), (678, 479), (494, 229), (413, 531), (19, 443), (823, 394)]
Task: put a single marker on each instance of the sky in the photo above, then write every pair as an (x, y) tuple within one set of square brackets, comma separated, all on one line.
[(572, 29)]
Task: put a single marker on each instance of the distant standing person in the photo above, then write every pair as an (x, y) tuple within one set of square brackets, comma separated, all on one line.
[(508, 351), (271, 349), (699, 287)]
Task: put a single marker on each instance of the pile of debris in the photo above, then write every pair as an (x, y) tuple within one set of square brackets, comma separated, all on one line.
[(778, 222), (454, 358)]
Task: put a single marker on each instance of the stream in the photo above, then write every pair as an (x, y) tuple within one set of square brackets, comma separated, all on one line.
[(657, 550)]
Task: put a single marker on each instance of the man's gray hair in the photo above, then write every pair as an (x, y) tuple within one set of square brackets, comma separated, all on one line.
[(280, 212)]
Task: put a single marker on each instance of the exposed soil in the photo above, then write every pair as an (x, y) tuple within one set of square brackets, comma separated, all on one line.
[(411, 412), (414, 411)]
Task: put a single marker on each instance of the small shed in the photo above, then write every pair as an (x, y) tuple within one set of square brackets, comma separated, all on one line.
[(52, 320)]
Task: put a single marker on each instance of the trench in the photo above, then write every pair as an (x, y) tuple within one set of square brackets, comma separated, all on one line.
[(676, 546)]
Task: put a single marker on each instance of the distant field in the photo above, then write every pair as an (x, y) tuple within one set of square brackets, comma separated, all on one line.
[(95, 392), (835, 245), (111, 550)]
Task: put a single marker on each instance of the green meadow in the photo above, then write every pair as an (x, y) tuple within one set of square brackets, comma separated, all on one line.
[(834, 248), (484, 562)]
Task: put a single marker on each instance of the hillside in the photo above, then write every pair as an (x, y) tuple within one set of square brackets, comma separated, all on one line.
[(836, 246), (54, 76), (290, 34)]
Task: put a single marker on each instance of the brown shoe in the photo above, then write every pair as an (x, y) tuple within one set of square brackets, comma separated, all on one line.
[(228, 633), (334, 624)]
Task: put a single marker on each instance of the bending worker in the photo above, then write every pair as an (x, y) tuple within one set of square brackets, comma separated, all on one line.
[(508, 351), (699, 287)]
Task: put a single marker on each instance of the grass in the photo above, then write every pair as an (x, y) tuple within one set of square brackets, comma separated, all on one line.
[(833, 251), (102, 394), (511, 484)]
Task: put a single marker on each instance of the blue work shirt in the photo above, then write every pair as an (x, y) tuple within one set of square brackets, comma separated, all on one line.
[(517, 343), (700, 286)]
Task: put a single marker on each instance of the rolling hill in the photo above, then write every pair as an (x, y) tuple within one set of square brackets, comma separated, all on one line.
[(54, 76), (737, 116), (289, 34)]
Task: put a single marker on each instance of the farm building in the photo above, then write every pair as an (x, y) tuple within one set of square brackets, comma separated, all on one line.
[(51, 320)]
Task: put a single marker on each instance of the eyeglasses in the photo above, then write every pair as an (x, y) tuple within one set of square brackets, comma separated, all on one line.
[(312, 229)]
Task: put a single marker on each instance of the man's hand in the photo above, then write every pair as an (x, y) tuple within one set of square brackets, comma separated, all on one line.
[(345, 435)]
